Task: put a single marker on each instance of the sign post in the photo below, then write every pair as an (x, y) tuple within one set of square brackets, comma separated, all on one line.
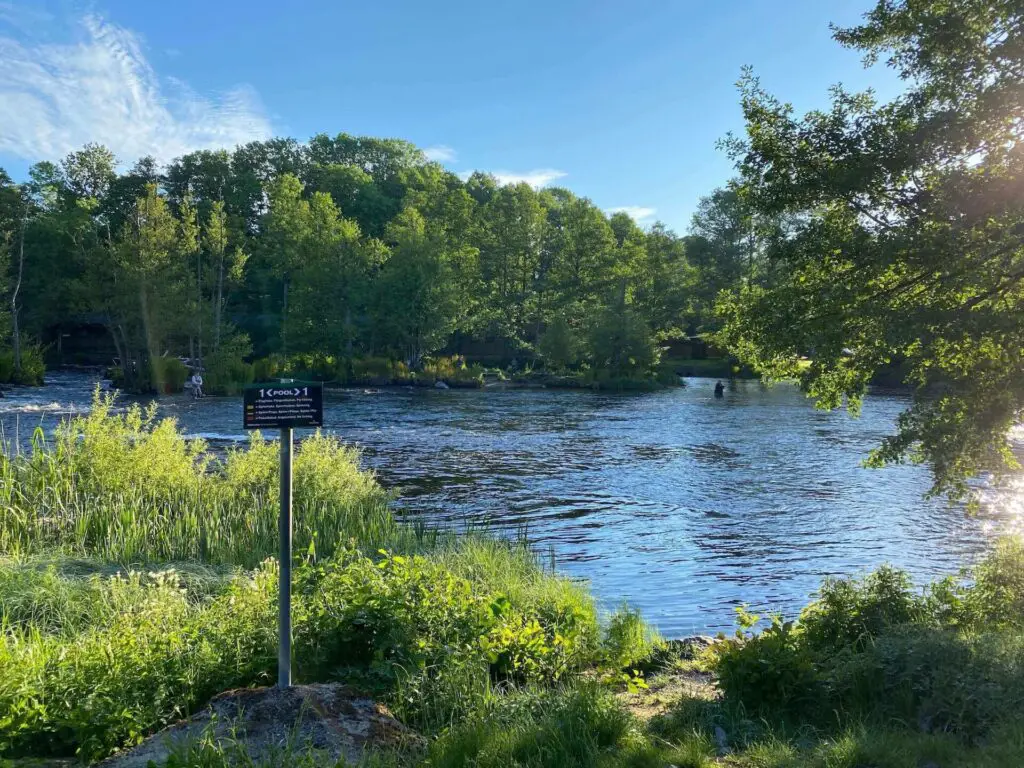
[(284, 564), (284, 405)]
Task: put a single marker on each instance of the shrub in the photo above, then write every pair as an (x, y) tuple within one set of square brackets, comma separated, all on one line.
[(33, 367), (558, 346), (772, 673), (628, 639), (873, 650), (109, 686), (851, 613), (225, 370), (168, 374), (428, 640), (437, 638), (378, 370), (453, 371), (938, 680)]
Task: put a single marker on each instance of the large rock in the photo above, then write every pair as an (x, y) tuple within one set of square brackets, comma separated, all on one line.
[(265, 721)]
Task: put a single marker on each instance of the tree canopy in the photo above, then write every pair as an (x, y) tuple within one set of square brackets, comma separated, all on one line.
[(345, 246), (904, 236)]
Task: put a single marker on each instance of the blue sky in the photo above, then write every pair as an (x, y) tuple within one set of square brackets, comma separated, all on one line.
[(621, 102)]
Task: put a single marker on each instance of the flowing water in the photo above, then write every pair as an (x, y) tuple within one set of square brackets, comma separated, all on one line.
[(677, 503)]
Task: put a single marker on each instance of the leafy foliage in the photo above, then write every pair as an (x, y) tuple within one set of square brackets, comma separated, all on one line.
[(316, 249), (902, 244), (950, 659)]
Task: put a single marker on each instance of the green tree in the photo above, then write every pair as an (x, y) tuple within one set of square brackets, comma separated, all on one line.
[(905, 240), (511, 238), (418, 302), (285, 231)]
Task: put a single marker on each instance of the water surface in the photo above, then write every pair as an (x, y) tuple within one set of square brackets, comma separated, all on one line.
[(680, 504)]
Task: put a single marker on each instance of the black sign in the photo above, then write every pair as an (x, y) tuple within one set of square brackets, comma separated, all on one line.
[(270, 406)]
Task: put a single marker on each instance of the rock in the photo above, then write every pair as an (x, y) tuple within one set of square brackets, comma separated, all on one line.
[(721, 741), (440, 385), (328, 717)]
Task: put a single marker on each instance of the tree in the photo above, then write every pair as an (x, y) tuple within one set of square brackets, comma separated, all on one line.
[(417, 300), (285, 230), (192, 257), (215, 240), (906, 236), (558, 346), (511, 239), (146, 286)]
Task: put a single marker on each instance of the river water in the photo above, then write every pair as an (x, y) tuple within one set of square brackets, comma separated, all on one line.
[(677, 503)]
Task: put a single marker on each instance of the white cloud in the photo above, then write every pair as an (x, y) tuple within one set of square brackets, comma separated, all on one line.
[(636, 212), (440, 153), (56, 97), (538, 178)]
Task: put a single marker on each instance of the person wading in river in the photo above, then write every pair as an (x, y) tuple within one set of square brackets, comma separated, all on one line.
[(719, 389)]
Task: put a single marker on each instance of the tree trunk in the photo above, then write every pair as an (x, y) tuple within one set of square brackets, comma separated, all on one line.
[(284, 320), (220, 305), (199, 305), (14, 299), (348, 332)]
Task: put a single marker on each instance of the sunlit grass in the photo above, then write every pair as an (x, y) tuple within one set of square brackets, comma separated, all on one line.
[(129, 488)]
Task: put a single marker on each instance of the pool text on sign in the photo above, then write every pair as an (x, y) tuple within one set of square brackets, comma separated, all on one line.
[(272, 406)]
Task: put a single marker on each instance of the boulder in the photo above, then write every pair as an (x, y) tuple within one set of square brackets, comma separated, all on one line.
[(264, 722)]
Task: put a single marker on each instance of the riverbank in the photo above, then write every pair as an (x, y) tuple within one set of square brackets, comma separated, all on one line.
[(134, 586)]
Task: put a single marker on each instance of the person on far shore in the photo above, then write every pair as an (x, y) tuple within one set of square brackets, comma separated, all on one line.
[(719, 389)]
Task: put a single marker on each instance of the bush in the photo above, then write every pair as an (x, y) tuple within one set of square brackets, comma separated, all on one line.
[(851, 614), (168, 374), (428, 640), (872, 650), (772, 673), (376, 371), (939, 680), (33, 367), (110, 686), (628, 639), (225, 371), (439, 637), (453, 371), (558, 346)]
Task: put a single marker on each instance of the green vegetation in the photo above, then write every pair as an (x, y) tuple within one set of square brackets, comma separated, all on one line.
[(136, 577), (344, 249), (136, 583), (105, 639), (901, 231)]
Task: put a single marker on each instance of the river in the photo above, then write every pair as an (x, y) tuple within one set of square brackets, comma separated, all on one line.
[(680, 504)]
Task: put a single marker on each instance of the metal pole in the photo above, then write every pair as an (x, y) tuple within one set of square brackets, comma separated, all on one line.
[(284, 617)]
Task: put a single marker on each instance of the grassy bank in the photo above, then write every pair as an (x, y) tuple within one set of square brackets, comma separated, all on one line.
[(136, 582)]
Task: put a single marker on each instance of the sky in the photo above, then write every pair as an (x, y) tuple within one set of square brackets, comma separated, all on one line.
[(622, 102)]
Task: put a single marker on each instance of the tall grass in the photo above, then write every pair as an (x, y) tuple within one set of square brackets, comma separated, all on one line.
[(96, 653), (127, 487)]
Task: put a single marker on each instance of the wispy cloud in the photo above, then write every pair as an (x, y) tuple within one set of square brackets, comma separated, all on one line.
[(636, 212), (56, 97), (538, 178), (440, 153)]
